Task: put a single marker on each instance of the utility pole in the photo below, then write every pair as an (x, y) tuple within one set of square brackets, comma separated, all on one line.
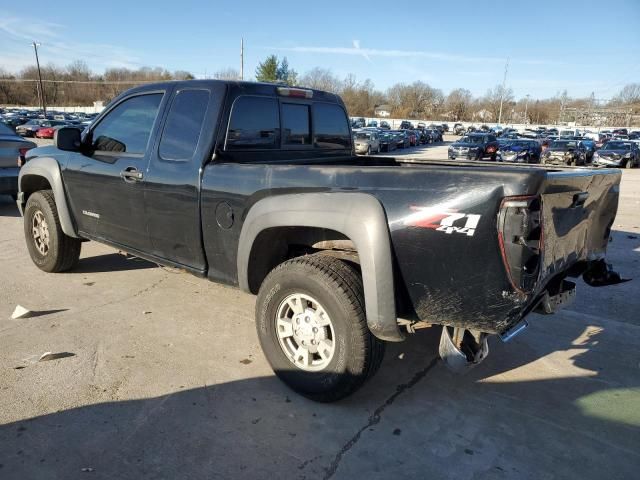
[(241, 58), (526, 105), (504, 83), (44, 107)]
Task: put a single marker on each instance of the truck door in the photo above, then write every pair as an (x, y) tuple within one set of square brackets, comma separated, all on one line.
[(172, 185), (106, 185)]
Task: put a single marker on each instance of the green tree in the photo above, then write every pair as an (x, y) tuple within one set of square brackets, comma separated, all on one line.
[(267, 71), (286, 74)]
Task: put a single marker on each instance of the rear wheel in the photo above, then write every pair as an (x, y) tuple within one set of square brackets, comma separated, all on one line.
[(312, 327), (50, 249), (629, 164), (369, 150)]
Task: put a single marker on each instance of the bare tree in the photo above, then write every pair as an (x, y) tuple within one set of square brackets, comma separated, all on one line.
[(494, 97), (459, 103), (418, 100), (321, 79), (227, 74), (629, 95)]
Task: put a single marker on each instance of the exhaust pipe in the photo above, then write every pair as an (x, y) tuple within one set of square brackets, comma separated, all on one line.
[(462, 349)]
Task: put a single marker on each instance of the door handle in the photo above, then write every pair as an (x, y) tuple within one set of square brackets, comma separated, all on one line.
[(130, 174)]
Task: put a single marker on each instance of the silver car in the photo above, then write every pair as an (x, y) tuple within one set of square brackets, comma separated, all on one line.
[(366, 142), (12, 151)]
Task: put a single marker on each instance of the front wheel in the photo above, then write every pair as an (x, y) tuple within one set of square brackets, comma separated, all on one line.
[(50, 249), (312, 328), (629, 164)]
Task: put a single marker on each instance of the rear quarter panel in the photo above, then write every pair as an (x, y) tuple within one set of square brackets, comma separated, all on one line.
[(447, 276)]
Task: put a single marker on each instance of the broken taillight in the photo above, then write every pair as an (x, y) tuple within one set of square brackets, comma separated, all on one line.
[(520, 235)]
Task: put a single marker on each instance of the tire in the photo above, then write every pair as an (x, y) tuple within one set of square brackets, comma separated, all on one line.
[(336, 288), (369, 150), (50, 249), (629, 164)]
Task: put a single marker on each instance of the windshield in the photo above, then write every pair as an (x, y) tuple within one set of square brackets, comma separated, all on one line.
[(474, 139), (363, 136), (565, 145), (617, 146)]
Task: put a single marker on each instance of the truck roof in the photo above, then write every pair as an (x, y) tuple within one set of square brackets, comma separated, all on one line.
[(236, 87)]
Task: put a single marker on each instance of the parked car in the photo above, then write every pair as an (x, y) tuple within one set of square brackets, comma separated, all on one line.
[(589, 145), (372, 124), (520, 151), (475, 146), (458, 129), (358, 122), (413, 137), (620, 131), (336, 247), (405, 125), (14, 121), (565, 152), (48, 132), (366, 142), (436, 135), (603, 138), (385, 125), (387, 141), (30, 128), (13, 149), (618, 153), (401, 138)]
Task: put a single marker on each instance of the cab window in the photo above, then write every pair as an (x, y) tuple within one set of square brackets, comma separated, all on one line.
[(184, 122), (331, 129), (296, 129), (254, 124), (127, 128)]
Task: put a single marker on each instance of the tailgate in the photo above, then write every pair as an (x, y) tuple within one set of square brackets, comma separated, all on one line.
[(578, 210)]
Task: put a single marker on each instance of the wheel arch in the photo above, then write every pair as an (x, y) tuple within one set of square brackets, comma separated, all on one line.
[(355, 217), (43, 173)]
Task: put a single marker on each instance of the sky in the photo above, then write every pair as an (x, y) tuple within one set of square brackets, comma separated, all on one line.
[(581, 46)]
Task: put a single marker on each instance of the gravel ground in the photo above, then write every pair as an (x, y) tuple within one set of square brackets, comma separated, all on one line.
[(163, 378)]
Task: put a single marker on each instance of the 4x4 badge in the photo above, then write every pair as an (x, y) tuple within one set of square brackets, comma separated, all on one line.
[(447, 221)]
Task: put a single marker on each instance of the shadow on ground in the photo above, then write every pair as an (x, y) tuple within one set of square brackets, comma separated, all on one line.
[(560, 402), (111, 262)]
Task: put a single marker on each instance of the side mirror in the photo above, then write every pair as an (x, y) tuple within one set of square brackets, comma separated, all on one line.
[(68, 139)]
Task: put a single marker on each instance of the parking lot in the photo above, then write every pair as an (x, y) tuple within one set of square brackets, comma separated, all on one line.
[(160, 375)]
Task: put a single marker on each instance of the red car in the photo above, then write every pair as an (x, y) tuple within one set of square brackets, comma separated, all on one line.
[(45, 132)]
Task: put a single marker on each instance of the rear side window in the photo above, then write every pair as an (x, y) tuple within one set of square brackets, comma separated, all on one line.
[(126, 128), (184, 123), (254, 124), (296, 129), (331, 129)]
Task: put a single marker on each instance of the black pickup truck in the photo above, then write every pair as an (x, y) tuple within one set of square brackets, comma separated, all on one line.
[(257, 185)]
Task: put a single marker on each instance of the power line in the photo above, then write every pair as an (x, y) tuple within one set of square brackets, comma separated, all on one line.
[(89, 82)]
